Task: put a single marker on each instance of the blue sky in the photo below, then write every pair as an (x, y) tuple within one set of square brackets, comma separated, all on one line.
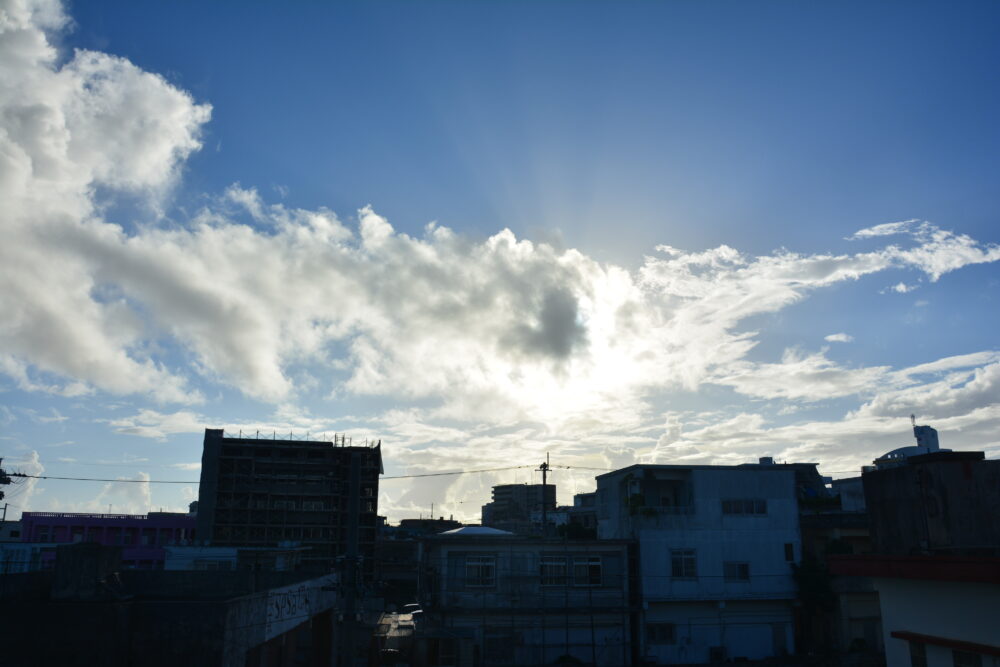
[(218, 216)]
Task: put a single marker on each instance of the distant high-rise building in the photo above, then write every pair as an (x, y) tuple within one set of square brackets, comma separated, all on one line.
[(513, 505), (268, 492)]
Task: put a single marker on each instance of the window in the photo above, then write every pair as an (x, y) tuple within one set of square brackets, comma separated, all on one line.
[(480, 571), (447, 655), (212, 565), (966, 659), (745, 506), (499, 649), (789, 551), (918, 654), (587, 571), (661, 633), (736, 571), (553, 570), (683, 564)]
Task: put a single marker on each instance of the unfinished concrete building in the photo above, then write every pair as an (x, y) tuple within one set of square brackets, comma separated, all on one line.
[(268, 492)]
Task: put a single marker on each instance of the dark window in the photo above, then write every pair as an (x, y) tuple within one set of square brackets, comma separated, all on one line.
[(587, 571), (683, 564), (745, 506), (661, 633), (918, 654), (553, 570), (480, 571), (789, 551), (736, 571)]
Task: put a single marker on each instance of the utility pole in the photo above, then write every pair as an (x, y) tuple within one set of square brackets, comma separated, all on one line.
[(545, 476), (4, 480)]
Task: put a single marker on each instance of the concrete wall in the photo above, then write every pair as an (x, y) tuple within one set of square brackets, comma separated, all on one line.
[(943, 501), (751, 630), (593, 639), (955, 610)]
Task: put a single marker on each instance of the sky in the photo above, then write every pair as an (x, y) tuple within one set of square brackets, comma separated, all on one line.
[(484, 233)]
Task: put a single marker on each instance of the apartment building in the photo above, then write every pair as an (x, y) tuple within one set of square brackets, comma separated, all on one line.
[(716, 549), (493, 598), (322, 495)]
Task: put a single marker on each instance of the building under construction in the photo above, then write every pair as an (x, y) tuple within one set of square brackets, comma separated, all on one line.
[(322, 495)]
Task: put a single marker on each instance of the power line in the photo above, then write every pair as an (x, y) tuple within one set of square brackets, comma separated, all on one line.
[(178, 481), (455, 472), (99, 479)]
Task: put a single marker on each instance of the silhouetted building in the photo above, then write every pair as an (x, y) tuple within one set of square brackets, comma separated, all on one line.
[(222, 559), (397, 557), (839, 613), (426, 527), (142, 537), (87, 611), (935, 522), (943, 502), (513, 505), (276, 492), (489, 597), (584, 510)]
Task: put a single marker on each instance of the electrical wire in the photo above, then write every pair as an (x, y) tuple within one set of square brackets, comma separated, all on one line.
[(100, 479), (177, 481)]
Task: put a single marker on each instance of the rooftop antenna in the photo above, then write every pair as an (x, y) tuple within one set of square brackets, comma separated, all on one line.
[(913, 420)]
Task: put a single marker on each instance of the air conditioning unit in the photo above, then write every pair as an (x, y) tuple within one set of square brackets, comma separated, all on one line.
[(716, 654)]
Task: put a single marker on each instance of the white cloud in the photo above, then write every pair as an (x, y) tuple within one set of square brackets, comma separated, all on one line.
[(126, 496), (499, 330), (65, 131), (801, 376), (886, 229), (153, 424), (900, 288), (839, 338)]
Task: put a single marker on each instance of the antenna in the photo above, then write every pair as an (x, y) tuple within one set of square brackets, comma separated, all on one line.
[(913, 420)]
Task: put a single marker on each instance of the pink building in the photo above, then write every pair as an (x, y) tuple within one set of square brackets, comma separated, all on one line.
[(141, 536)]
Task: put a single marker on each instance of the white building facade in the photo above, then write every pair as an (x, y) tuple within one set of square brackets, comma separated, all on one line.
[(716, 546)]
